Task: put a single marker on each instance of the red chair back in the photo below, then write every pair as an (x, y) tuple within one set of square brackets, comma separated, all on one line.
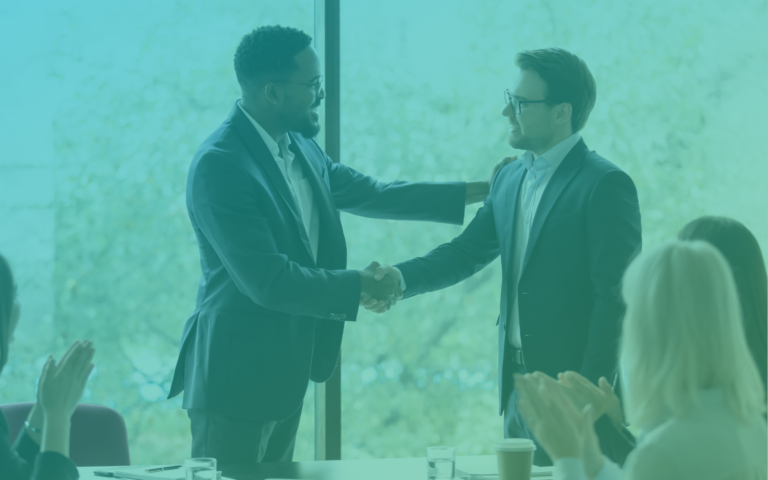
[(98, 437)]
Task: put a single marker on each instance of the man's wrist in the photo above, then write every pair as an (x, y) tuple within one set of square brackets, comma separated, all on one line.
[(403, 286)]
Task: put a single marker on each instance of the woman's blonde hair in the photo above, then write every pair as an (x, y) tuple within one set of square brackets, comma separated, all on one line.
[(683, 333)]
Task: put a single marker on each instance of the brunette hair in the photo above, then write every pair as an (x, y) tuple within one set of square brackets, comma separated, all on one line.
[(568, 80), (742, 252), (7, 293)]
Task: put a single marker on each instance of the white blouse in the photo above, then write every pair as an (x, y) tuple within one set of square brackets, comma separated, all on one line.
[(707, 444)]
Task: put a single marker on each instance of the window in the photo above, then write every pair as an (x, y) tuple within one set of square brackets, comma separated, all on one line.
[(104, 104), (107, 103), (678, 108)]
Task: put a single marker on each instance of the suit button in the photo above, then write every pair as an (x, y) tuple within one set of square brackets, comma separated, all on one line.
[(342, 316)]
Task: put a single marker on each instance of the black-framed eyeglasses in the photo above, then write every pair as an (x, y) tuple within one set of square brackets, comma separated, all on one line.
[(315, 86), (517, 105)]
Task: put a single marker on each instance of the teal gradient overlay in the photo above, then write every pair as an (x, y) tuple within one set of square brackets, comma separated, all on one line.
[(104, 103)]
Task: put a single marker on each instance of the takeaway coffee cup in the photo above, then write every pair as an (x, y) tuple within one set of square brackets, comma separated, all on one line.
[(515, 457)]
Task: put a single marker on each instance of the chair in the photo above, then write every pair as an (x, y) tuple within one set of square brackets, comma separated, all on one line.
[(98, 437)]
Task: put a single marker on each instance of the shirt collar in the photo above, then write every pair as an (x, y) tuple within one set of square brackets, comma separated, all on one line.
[(552, 157), (273, 146)]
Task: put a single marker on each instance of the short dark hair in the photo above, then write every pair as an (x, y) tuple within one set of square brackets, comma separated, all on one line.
[(268, 50), (7, 293), (567, 77), (742, 251)]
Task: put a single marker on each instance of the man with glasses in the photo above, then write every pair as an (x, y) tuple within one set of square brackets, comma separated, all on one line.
[(274, 294), (566, 223)]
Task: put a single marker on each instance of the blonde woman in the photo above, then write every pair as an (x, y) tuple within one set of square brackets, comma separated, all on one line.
[(691, 385)]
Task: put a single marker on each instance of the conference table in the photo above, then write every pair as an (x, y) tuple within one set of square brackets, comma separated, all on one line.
[(480, 467)]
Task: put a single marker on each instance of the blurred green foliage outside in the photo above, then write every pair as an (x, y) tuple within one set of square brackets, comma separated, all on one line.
[(137, 86)]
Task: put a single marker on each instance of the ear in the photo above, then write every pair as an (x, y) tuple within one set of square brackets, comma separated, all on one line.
[(563, 115), (273, 93)]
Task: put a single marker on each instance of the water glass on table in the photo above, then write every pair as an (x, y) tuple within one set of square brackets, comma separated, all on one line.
[(200, 468), (441, 462)]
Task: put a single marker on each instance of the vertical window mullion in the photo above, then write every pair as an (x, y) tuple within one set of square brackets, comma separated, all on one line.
[(327, 41)]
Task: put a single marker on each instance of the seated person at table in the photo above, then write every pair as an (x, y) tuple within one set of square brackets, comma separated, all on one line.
[(742, 252), (691, 385), (42, 449)]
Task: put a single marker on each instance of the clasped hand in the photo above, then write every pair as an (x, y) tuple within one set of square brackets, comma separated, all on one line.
[(61, 385), (380, 287), (380, 284), (562, 429)]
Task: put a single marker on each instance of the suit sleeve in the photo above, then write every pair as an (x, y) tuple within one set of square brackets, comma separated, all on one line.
[(226, 209), (453, 262), (361, 195), (614, 239)]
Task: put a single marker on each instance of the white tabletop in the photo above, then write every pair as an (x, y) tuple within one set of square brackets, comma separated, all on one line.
[(480, 467)]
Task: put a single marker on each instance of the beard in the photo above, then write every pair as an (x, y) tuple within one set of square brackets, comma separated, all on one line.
[(306, 125), (527, 142), (308, 128)]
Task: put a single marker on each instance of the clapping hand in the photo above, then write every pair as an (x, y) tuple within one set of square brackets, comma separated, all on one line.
[(380, 287), (552, 417), (61, 386), (601, 396), (561, 429)]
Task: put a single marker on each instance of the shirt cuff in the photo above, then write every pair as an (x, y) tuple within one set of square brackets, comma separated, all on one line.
[(402, 279), (610, 471), (568, 468)]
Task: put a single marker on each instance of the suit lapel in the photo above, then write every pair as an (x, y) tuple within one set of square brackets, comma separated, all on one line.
[(322, 195), (509, 201), (266, 161), (561, 178), (264, 158), (332, 247)]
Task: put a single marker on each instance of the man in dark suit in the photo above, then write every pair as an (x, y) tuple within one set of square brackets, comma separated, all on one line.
[(566, 223), (274, 294)]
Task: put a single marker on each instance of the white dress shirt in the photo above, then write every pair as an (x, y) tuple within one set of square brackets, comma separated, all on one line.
[(524, 219), (709, 443), (296, 180)]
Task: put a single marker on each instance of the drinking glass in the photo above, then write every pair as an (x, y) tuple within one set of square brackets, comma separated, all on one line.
[(200, 468), (441, 462)]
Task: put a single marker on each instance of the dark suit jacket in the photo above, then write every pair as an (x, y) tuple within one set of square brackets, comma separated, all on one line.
[(585, 232), (268, 317)]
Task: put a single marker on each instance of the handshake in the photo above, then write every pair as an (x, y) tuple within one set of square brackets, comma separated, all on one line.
[(380, 287), (381, 284)]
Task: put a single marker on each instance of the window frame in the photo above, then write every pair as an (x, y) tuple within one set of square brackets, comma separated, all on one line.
[(328, 44)]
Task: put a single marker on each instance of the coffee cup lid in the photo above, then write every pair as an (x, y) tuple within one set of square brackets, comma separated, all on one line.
[(515, 445)]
